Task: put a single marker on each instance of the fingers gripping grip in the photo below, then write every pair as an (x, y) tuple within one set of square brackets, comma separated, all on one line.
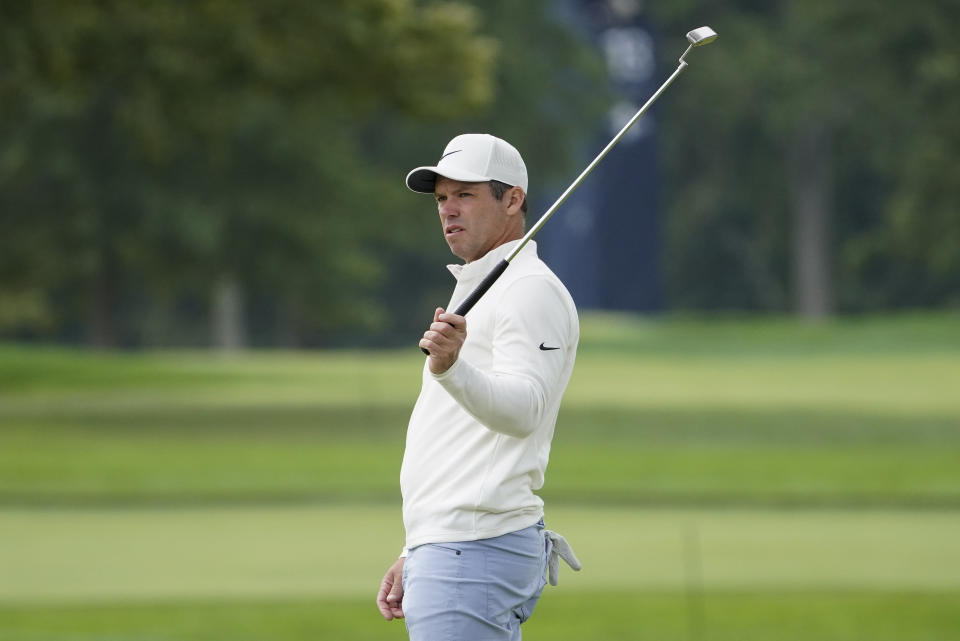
[(478, 292)]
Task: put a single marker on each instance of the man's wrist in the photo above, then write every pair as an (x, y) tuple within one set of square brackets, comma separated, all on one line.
[(447, 373)]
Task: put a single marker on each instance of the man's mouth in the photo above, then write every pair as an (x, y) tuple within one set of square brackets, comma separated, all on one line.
[(452, 230)]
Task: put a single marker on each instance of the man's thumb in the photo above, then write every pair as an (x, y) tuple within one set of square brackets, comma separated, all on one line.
[(395, 592)]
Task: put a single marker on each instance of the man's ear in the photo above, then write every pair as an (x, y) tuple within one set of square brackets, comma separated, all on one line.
[(515, 197)]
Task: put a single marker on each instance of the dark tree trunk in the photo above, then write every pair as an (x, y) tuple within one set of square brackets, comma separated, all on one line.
[(101, 310), (287, 325), (228, 326), (809, 166)]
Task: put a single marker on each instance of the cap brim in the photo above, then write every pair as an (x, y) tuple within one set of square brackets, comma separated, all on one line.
[(424, 179)]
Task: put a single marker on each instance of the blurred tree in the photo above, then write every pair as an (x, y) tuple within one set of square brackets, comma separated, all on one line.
[(163, 166), (819, 131), (903, 191), (150, 149)]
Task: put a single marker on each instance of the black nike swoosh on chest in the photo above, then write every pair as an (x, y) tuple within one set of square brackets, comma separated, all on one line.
[(544, 348)]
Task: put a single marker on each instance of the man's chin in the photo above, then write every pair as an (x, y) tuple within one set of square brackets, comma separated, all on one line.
[(457, 250)]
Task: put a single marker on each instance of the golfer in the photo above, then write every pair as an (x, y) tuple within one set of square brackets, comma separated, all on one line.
[(477, 555)]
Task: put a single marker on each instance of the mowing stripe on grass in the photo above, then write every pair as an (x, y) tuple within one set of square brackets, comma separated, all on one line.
[(561, 615), (325, 551)]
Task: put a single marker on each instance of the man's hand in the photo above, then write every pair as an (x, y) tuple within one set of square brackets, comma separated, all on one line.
[(443, 340), (390, 596)]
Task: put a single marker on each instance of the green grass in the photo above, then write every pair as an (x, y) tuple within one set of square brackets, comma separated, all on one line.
[(330, 551), (683, 411), (310, 572), (610, 615), (55, 466), (747, 616), (909, 333), (726, 479)]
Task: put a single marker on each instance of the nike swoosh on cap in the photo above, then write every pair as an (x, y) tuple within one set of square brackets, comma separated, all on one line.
[(448, 153), (546, 349)]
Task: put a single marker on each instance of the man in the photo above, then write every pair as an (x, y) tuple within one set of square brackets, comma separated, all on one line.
[(478, 440)]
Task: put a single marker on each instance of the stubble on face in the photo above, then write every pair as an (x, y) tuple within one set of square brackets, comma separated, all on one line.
[(473, 221)]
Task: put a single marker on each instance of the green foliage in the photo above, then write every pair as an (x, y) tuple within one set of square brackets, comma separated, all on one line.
[(876, 82), (151, 150)]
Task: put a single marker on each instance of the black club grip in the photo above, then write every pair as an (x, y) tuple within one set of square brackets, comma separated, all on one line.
[(478, 291)]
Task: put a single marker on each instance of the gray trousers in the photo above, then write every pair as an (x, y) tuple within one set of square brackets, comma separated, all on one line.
[(475, 590)]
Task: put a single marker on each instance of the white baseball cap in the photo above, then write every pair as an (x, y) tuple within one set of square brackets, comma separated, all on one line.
[(473, 158)]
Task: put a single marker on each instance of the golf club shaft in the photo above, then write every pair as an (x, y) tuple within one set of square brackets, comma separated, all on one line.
[(467, 304), (586, 172)]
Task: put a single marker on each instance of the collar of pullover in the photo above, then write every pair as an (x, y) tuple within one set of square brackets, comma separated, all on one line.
[(482, 266)]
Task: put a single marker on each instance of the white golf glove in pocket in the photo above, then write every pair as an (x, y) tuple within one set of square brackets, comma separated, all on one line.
[(559, 549)]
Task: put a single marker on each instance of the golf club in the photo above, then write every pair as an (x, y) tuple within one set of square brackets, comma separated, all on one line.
[(696, 37)]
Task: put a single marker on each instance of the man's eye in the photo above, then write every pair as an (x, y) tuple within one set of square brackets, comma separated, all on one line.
[(465, 194)]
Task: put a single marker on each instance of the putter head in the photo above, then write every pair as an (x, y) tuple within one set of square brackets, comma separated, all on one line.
[(701, 36)]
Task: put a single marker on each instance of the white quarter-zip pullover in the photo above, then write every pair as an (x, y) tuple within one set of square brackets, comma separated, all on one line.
[(479, 436)]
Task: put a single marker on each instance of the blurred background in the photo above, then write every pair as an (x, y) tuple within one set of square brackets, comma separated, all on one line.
[(212, 280)]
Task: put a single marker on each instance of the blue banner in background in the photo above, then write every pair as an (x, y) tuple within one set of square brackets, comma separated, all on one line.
[(604, 242)]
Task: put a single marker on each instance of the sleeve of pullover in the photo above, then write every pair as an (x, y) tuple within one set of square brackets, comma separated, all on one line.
[(532, 343)]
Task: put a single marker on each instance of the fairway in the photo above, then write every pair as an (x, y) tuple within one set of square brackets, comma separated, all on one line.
[(735, 480), (308, 572), (341, 551), (728, 371), (739, 412)]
